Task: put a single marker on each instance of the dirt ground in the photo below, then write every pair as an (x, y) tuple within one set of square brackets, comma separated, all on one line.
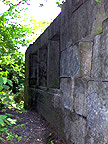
[(36, 130)]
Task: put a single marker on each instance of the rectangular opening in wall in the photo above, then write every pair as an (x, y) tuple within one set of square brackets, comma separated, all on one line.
[(33, 69), (54, 62), (43, 66)]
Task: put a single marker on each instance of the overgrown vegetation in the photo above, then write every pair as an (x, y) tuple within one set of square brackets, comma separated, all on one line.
[(13, 35)]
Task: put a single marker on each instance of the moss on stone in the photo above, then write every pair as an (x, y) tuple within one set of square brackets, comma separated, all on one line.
[(82, 44), (99, 31)]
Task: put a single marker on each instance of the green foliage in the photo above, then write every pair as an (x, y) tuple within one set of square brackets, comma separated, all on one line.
[(7, 98), (12, 67), (6, 121), (19, 96), (60, 3), (38, 28), (50, 139), (12, 37)]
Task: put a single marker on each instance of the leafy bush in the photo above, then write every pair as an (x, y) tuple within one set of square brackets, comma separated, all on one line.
[(7, 100)]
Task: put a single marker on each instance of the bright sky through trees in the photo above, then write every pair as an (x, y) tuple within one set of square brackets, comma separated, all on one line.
[(48, 12)]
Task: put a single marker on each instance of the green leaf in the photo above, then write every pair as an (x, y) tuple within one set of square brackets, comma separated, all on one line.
[(10, 82), (9, 114), (4, 80), (1, 87), (3, 116), (6, 87), (12, 121), (2, 122), (1, 80), (3, 129), (8, 122), (19, 138), (16, 136)]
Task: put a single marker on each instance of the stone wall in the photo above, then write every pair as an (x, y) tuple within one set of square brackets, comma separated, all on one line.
[(67, 73)]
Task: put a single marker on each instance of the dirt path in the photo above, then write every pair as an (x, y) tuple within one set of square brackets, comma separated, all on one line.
[(36, 130)]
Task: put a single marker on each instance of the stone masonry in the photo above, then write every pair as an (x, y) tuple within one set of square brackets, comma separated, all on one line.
[(66, 77)]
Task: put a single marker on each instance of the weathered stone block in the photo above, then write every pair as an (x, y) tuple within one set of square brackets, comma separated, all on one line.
[(96, 71), (85, 49), (100, 57), (80, 96), (76, 60), (66, 85), (100, 16), (69, 64), (97, 115), (74, 128)]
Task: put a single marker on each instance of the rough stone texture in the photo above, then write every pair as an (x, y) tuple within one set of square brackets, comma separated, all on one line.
[(70, 63), (73, 5), (86, 20), (47, 103), (67, 73), (76, 60), (106, 6), (80, 91), (97, 115), (66, 85), (85, 58), (100, 55), (74, 128)]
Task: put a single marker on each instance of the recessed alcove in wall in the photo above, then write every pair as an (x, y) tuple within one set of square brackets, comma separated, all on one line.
[(43, 54), (33, 69), (53, 71)]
